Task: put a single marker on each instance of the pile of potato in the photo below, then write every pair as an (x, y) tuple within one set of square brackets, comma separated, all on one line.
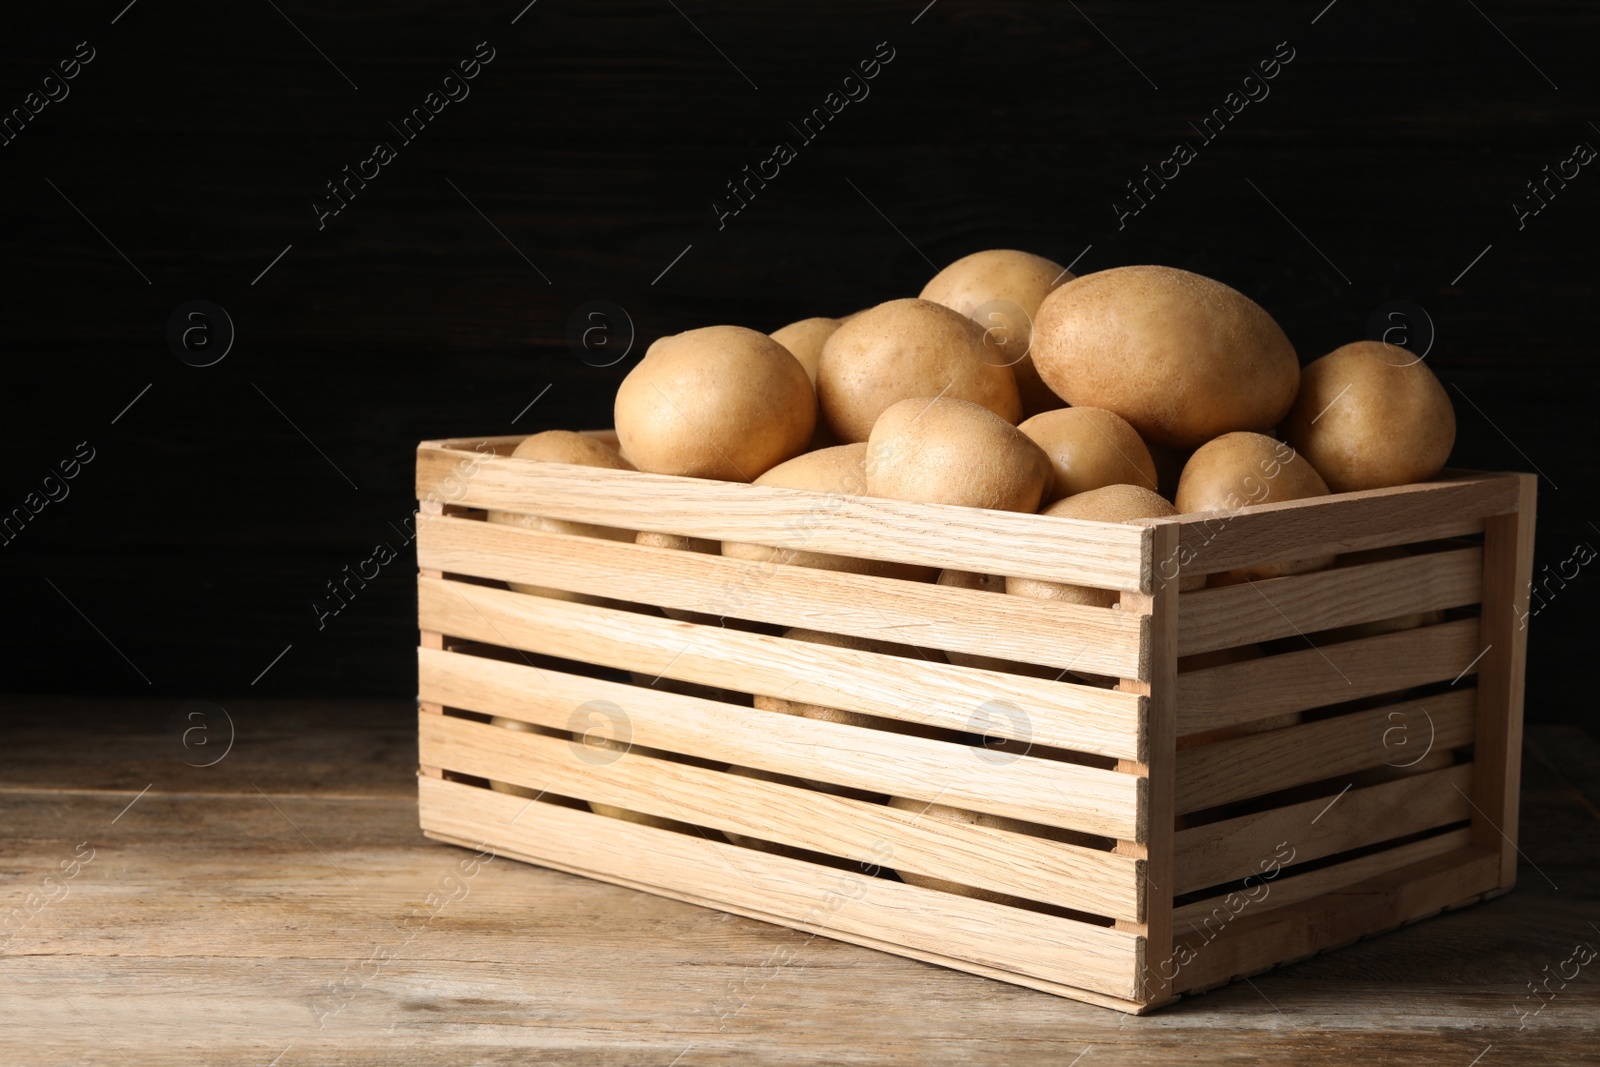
[(1009, 384)]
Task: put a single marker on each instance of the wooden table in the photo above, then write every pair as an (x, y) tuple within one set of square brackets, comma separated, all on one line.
[(255, 911)]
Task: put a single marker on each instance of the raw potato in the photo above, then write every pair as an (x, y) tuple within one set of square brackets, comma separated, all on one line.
[(1091, 448), (1113, 503), (1371, 415), (564, 446), (720, 402), (947, 813), (625, 814), (1240, 469), (946, 451), (905, 349), (1181, 357), (1001, 290), (842, 470), (804, 341)]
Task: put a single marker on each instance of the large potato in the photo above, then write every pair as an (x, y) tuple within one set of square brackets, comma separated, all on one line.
[(1371, 415), (720, 402), (1001, 290), (905, 349), (936, 450), (1181, 357), (840, 470), (1242, 469), (1091, 448)]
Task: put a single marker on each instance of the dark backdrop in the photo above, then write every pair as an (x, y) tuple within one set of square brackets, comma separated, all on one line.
[(586, 160)]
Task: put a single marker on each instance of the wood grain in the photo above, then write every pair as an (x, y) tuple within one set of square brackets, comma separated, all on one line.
[(1225, 616), (913, 690), (1107, 555), (1093, 640), (1023, 787), (1018, 865)]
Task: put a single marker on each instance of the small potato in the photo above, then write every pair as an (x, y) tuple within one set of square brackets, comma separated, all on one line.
[(1001, 290), (720, 402), (944, 451), (905, 349), (564, 446), (1241, 469), (804, 341), (1091, 448), (841, 470), (1371, 415), (1180, 356), (1112, 503)]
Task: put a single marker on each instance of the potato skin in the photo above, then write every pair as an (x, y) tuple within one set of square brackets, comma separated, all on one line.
[(1371, 415), (804, 340), (979, 285), (719, 402), (1183, 358), (938, 450), (904, 349), (1243, 469), (1090, 448)]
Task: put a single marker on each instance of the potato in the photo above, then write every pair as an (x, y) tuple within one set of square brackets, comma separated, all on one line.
[(905, 349), (1181, 357), (804, 341), (679, 543), (1001, 290), (989, 583), (521, 727), (1241, 469), (1091, 448), (946, 813), (720, 402), (940, 450), (1371, 415), (564, 446), (840, 469), (1112, 503)]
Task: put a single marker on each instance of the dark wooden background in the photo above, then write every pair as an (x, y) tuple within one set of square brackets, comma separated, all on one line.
[(596, 141)]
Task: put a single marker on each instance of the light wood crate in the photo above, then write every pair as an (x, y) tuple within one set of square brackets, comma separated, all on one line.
[(1191, 825)]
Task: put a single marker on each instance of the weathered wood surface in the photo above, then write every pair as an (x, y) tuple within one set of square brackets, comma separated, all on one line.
[(210, 921)]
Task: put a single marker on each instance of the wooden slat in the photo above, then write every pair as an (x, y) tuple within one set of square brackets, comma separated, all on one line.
[(994, 935), (916, 690), (1160, 767), (1228, 850), (1026, 787), (1252, 690), (1507, 566), (1293, 888), (1252, 943), (1226, 616), (1094, 640), (1345, 522), (1398, 735), (1105, 555), (1032, 868), (866, 941)]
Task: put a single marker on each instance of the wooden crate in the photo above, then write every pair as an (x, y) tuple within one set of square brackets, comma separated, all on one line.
[(1205, 818)]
